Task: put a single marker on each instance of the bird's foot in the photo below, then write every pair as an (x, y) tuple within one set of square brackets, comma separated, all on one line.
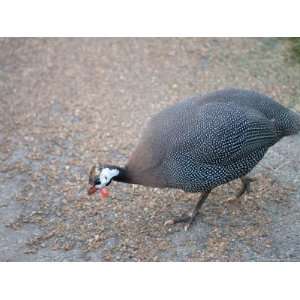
[(183, 219), (234, 200), (246, 183), (192, 216)]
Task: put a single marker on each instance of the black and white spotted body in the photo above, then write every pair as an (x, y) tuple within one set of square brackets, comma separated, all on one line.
[(204, 142)]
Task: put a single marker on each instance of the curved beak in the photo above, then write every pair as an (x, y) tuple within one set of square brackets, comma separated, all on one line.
[(91, 190)]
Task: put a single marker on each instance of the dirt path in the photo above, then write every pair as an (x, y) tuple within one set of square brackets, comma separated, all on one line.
[(68, 103)]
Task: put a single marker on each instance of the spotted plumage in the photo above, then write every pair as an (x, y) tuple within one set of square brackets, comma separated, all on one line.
[(205, 141)]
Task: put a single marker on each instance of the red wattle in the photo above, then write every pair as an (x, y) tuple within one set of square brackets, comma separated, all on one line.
[(104, 193)]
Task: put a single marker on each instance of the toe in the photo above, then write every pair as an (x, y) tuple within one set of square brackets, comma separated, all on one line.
[(187, 226), (236, 200), (169, 222)]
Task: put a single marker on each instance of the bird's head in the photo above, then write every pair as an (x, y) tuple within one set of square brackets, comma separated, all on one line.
[(100, 177)]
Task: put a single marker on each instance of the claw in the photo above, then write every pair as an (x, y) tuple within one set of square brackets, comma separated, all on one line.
[(169, 222), (234, 200), (187, 226)]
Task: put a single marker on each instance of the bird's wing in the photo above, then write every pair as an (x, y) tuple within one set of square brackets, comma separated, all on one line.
[(225, 133), (214, 133)]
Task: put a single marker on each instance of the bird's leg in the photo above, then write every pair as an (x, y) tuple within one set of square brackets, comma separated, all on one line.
[(190, 219), (245, 188)]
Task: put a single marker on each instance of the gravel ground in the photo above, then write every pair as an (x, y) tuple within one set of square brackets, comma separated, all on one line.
[(68, 103)]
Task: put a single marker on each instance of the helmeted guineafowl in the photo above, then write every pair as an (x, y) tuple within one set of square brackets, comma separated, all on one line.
[(203, 142)]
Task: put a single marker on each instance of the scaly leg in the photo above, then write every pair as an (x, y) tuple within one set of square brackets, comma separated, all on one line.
[(244, 189), (245, 186), (189, 219)]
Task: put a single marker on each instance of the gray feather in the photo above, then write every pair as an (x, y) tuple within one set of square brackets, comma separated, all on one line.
[(203, 142)]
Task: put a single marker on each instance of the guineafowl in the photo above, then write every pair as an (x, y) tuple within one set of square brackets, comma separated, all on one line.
[(201, 143)]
